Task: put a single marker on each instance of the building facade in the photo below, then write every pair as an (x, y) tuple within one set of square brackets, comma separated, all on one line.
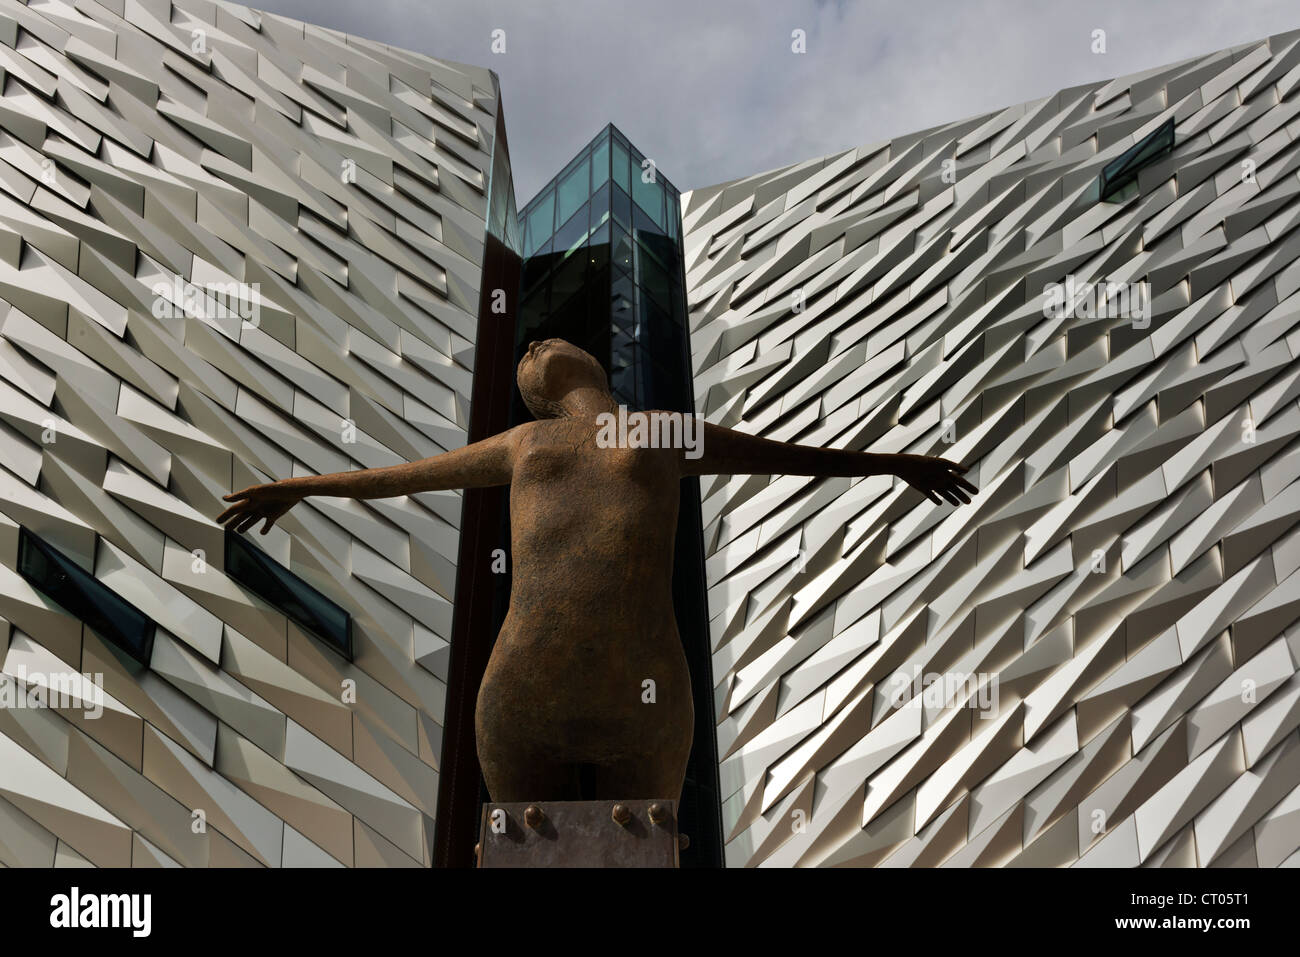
[(1094, 663), (237, 247)]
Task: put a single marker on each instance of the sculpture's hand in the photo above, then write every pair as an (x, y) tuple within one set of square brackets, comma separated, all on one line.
[(256, 502), (933, 477)]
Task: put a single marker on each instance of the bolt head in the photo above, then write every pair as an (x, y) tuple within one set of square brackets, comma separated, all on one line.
[(533, 816), (622, 814), (683, 842), (659, 814)]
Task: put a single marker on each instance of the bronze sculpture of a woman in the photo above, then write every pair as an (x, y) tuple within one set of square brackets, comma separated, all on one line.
[(563, 711)]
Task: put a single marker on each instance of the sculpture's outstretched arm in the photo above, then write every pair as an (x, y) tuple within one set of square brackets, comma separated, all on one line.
[(485, 463), (727, 452)]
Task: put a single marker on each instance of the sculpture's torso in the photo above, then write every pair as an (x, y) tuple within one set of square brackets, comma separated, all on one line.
[(564, 709)]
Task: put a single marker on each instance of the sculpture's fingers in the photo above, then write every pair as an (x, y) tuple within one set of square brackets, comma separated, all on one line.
[(940, 480), (247, 523), (274, 517), (968, 486), (229, 513)]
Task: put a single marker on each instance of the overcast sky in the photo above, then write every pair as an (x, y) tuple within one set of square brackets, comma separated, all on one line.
[(712, 90)]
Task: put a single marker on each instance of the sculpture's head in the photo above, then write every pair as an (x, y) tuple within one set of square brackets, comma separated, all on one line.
[(553, 370)]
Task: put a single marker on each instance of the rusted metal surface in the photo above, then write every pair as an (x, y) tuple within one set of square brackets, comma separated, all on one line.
[(579, 834)]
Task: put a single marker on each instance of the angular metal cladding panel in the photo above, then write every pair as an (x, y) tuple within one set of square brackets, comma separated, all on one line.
[(330, 193), (1127, 567)]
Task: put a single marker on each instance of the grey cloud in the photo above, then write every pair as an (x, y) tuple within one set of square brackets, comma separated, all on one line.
[(712, 91)]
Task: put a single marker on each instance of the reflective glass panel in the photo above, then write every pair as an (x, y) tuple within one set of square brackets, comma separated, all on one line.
[(600, 164), (574, 190)]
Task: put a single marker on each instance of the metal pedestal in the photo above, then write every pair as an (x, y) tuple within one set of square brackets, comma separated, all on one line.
[(631, 833)]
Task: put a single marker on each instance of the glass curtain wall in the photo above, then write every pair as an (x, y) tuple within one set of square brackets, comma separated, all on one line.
[(603, 269)]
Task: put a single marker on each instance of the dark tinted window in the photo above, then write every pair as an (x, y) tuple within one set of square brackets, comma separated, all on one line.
[(297, 600), (1123, 170), (79, 593)]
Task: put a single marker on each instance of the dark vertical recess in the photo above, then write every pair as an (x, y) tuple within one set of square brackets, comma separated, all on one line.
[(700, 814), (474, 628), (606, 273)]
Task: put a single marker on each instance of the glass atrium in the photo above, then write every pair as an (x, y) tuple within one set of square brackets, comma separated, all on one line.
[(603, 268)]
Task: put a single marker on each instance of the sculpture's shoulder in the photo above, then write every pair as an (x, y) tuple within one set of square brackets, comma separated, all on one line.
[(540, 441), (518, 436), (531, 435)]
